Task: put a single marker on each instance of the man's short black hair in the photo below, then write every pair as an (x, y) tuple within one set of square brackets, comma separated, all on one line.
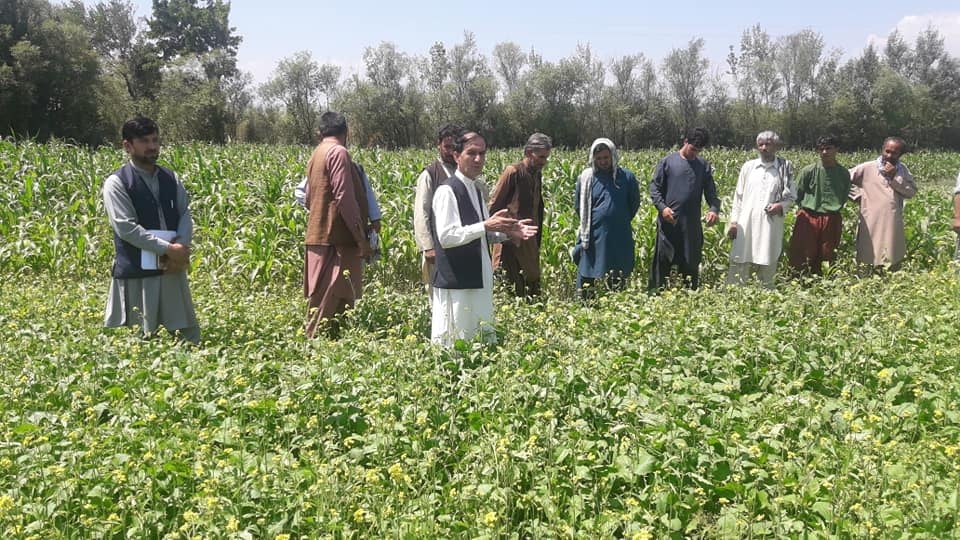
[(466, 136), (138, 126), (902, 143), (448, 130), (333, 124), (828, 140), (698, 137)]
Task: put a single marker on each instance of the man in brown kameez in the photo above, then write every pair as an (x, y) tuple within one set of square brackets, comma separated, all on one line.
[(519, 190), (337, 225), (879, 188)]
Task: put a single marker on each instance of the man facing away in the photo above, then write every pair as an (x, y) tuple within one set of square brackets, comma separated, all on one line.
[(149, 213), (336, 238), (606, 198), (764, 193), (679, 183), (519, 190), (462, 294), (431, 176), (822, 190), (879, 188)]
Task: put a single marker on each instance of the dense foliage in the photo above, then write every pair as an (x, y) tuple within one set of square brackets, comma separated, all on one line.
[(72, 72), (827, 408)]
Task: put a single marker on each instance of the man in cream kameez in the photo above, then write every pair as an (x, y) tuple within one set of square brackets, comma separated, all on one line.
[(149, 213), (764, 193)]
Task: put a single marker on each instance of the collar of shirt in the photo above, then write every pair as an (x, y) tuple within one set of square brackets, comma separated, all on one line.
[(466, 179), (899, 171), (760, 164)]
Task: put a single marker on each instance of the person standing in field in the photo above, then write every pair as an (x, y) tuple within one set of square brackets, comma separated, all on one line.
[(879, 187), (373, 207), (431, 176), (519, 190), (606, 198), (149, 212), (764, 193), (462, 294), (336, 238), (822, 190), (679, 183)]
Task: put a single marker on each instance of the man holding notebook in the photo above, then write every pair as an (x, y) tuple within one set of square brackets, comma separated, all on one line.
[(149, 213)]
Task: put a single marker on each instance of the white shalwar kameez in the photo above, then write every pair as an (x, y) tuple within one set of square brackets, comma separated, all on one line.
[(759, 238), (462, 313)]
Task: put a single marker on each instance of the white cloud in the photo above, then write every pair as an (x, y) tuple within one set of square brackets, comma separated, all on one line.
[(948, 24)]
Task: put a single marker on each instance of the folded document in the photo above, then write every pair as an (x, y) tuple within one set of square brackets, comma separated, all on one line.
[(150, 260)]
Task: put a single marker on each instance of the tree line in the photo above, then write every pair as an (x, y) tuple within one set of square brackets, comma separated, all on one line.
[(72, 72)]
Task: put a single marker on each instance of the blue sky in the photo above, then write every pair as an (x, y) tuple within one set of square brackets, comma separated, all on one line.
[(337, 32)]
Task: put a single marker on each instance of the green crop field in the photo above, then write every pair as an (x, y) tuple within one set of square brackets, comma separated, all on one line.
[(827, 408)]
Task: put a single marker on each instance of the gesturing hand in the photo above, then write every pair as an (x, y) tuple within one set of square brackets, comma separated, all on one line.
[(500, 222)]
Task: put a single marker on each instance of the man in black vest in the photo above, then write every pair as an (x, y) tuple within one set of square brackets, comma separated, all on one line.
[(462, 295), (152, 230)]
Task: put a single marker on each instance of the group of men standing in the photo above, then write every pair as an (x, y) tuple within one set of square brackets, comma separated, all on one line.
[(454, 224), (766, 189)]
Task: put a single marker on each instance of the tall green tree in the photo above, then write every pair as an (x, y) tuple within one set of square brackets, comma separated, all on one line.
[(296, 85), (685, 71), (48, 72)]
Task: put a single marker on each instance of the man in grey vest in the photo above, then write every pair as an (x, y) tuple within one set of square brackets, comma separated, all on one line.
[(431, 176), (149, 213)]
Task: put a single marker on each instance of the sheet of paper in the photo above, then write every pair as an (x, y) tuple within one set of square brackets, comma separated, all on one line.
[(148, 259)]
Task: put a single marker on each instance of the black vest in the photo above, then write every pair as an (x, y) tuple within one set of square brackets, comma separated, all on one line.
[(126, 264), (458, 267)]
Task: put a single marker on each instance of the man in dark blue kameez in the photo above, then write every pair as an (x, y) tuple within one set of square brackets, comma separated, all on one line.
[(679, 183), (607, 198)]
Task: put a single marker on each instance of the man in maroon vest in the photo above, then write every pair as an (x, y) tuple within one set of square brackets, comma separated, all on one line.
[(434, 173), (152, 230), (337, 224)]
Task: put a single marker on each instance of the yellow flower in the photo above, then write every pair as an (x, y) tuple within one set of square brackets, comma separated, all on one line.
[(396, 472), (190, 516), (282, 537), (232, 525), (885, 375), (359, 515), (643, 535), (490, 518)]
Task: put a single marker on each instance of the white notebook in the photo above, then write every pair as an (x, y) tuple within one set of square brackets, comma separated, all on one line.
[(148, 259)]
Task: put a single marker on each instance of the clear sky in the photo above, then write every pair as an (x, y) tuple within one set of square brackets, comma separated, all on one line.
[(338, 31)]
